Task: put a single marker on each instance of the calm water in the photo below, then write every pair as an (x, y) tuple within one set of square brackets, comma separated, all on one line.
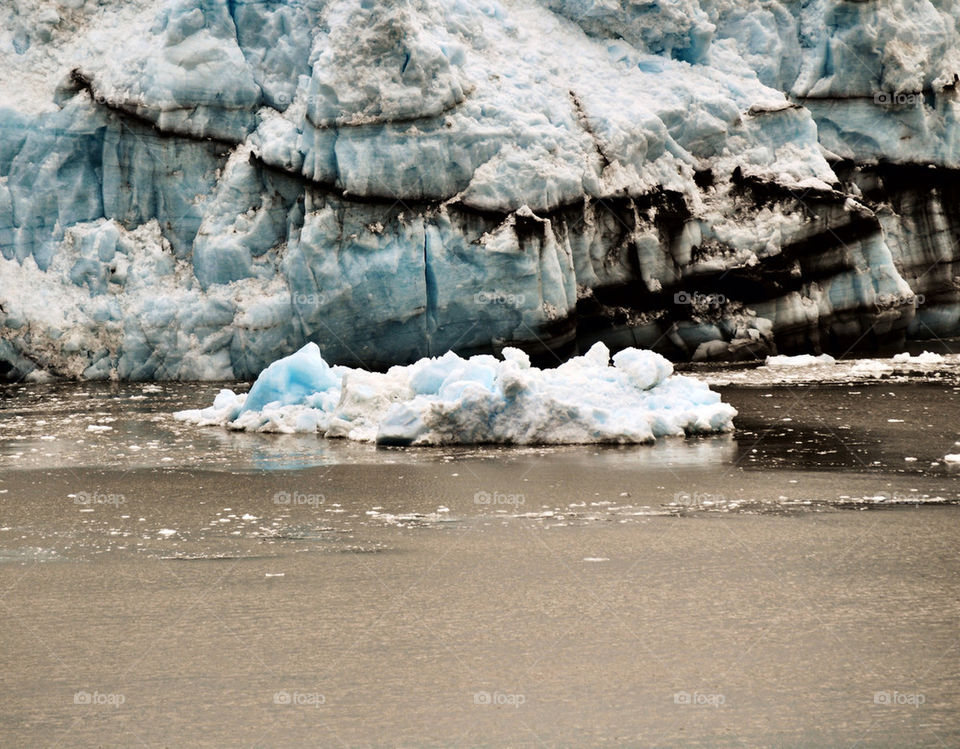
[(794, 584)]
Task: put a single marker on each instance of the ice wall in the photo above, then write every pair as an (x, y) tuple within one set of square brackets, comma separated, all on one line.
[(195, 188)]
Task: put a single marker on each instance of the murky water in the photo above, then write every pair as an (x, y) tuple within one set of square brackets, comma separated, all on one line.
[(796, 583)]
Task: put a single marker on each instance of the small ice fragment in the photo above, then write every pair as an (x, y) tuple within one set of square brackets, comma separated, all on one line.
[(166, 532), (274, 574), (596, 559), (803, 360)]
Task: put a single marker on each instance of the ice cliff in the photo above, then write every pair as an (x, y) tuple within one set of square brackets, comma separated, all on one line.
[(195, 188)]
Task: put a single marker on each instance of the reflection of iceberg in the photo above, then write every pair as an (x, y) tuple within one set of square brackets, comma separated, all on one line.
[(287, 452), (716, 449), (450, 400)]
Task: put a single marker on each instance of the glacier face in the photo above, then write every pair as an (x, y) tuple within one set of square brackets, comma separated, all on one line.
[(196, 191)]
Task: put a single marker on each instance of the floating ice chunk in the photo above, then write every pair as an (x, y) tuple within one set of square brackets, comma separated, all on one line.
[(451, 400), (926, 357), (804, 360), (289, 380), (953, 458), (871, 367)]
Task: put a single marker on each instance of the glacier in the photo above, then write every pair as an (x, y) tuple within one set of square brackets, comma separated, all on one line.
[(451, 400), (193, 189)]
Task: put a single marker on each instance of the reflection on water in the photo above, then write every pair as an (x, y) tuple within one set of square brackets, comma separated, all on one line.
[(177, 566), (131, 425), (903, 427)]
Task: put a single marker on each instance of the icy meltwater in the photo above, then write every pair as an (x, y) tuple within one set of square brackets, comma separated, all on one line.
[(792, 583), (869, 431)]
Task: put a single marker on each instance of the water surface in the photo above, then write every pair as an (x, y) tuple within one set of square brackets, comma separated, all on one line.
[(793, 584)]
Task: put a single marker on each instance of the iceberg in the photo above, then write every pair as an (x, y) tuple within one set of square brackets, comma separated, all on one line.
[(193, 189), (482, 399)]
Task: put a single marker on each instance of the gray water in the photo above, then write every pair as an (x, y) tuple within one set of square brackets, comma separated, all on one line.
[(793, 584)]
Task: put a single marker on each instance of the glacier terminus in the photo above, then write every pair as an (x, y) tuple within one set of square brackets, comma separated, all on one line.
[(193, 189)]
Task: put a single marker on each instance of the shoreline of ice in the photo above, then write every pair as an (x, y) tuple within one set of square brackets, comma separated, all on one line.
[(480, 400), (805, 369)]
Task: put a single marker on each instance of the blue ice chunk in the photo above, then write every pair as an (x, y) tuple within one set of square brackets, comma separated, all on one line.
[(292, 379)]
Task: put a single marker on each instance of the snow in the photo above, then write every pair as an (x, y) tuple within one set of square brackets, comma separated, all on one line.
[(482, 399)]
